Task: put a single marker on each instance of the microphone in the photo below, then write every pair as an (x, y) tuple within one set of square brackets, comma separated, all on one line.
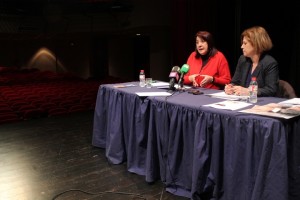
[(184, 69), (174, 76)]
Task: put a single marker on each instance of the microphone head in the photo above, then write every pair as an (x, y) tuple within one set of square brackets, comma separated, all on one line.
[(185, 68), (176, 69), (174, 72)]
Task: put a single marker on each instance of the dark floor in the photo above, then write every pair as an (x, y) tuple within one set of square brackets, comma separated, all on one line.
[(52, 158)]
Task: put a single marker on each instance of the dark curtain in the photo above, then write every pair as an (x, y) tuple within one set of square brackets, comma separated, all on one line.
[(188, 17)]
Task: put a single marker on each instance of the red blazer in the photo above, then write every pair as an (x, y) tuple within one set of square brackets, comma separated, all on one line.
[(217, 66)]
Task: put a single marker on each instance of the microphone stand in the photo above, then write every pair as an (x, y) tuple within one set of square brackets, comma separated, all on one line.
[(180, 84)]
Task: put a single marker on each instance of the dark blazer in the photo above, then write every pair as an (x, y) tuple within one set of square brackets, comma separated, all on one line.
[(266, 73)]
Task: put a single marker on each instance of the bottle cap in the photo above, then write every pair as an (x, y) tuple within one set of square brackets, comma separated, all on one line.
[(253, 78)]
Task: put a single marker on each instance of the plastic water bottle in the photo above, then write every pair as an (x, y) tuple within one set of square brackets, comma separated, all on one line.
[(142, 78), (253, 90)]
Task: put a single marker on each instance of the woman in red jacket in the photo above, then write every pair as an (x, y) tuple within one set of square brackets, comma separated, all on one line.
[(208, 66)]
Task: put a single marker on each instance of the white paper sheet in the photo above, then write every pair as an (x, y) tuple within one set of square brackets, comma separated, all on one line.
[(223, 95), (160, 84), (274, 110), (148, 94), (229, 105), (294, 101), (165, 85), (124, 85)]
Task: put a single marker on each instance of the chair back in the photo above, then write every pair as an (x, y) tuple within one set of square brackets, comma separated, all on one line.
[(285, 90)]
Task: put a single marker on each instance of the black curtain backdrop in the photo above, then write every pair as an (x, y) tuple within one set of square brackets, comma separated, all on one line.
[(227, 19)]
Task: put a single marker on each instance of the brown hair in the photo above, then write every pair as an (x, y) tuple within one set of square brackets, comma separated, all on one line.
[(259, 38)]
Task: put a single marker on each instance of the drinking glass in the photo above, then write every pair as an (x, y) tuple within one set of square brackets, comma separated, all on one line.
[(148, 82)]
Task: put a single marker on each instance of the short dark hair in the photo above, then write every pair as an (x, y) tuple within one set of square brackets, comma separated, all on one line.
[(207, 37)]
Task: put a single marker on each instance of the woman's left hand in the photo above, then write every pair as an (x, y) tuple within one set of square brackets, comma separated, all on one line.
[(206, 79), (240, 91)]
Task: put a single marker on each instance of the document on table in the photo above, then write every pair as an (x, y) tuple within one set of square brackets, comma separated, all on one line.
[(148, 94), (124, 85), (293, 101), (160, 84), (223, 95), (275, 110), (229, 105), (165, 85)]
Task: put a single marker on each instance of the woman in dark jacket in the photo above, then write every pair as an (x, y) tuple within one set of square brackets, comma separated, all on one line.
[(255, 62)]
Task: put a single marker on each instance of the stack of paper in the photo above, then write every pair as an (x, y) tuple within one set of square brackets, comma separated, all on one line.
[(229, 105), (281, 110), (223, 95)]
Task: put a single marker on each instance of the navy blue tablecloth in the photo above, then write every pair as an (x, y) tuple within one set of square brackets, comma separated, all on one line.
[(198, 150)]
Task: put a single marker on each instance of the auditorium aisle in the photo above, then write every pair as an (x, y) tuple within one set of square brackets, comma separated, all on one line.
[(52, 158)]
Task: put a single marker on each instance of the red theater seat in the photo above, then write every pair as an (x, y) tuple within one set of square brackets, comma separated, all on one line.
[(57, 111), (77, 108), (8, 118), (34, 113)]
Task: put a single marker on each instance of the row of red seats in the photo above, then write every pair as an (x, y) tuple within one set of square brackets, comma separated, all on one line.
[(30, 93), (13, 76), (23, 102)]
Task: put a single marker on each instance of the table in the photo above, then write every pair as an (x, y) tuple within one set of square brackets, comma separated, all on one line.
[(196, 150)]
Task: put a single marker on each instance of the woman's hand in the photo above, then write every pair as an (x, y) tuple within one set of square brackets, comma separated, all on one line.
[(229, 89), (192, 78), (206, 79), (240, 91)]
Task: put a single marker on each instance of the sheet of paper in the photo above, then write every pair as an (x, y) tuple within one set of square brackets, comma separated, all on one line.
[(223, 95), (229, 105), (166, 86), (160, 84), (274, 110), (148, 94), (124, 85), (295, 101)]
